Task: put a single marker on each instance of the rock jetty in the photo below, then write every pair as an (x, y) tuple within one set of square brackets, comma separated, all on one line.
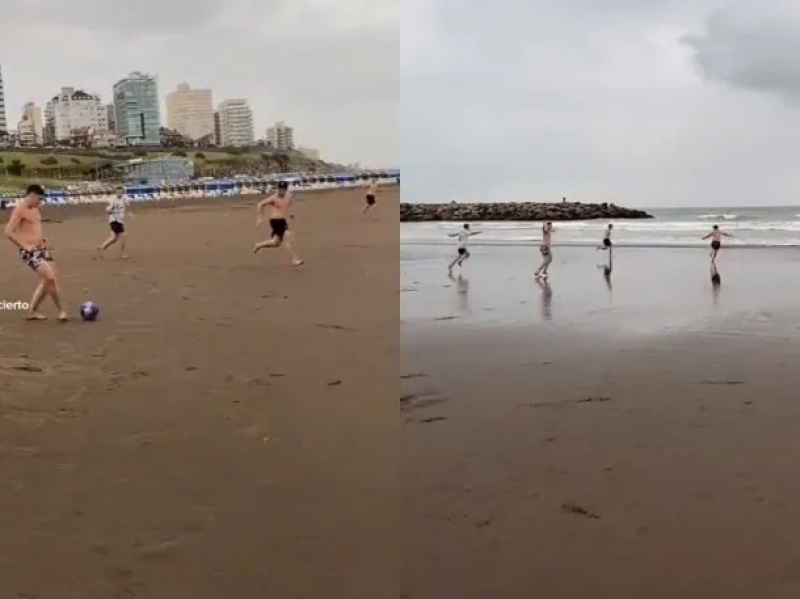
[(560, 211)]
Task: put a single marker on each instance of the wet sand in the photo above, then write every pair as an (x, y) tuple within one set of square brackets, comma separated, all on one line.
[(614, 447), (205, 438)]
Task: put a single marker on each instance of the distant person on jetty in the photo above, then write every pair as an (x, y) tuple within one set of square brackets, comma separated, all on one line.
[(606, 243), (462, 252), (117, 208), (24, 230), (280, 209), (372, 193), (716, 241), (546, 250)]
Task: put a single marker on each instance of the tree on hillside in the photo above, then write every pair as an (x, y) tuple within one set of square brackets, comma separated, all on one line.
[(283, 161), (15, 168)]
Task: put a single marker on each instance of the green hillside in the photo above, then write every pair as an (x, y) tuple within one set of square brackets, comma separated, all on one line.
[(59, 168)]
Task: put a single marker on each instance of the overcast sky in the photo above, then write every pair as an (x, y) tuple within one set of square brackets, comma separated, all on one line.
[(326, 67), (649, 103)]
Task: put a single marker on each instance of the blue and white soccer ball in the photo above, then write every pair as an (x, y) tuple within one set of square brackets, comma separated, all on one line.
[(89, 311)]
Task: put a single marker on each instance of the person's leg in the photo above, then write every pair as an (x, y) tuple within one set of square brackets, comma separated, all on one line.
[(121, 239), (112, 239), (548, 259), (47, 286), (453, 263), (287, 243), (272, 242)]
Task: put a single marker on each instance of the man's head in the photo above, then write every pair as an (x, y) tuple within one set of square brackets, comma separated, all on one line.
[(283, 187), (548, 225), (610, 226), (466, 226), (716, 227), (34, 194), (120, 191)]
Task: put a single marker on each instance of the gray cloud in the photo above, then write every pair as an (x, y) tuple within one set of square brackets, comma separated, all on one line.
[(329, 69), (744, 46), (533, 100)]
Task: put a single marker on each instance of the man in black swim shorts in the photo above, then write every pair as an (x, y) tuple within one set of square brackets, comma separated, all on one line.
[(372, 192), (280, 208), (607, 245), (716, 241)]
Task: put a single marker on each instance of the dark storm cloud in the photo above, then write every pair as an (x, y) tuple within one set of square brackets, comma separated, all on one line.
[(751, 46)]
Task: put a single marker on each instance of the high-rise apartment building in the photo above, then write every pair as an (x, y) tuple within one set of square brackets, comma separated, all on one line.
[(71, 113), (217, 132), (235, 123), (281, 136), (137, 114), (30, 128), (3, 117), (190, 112), (111, 118)]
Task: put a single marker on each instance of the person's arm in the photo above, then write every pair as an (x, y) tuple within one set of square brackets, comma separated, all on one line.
[(452, 234), (260, 209), (11, 228), (475, 233), (726, 234), (706, 237)]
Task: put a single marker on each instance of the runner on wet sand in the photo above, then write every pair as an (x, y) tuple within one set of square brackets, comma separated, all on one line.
[(716, 241), (546, 250), (24, 230), (462, 252)]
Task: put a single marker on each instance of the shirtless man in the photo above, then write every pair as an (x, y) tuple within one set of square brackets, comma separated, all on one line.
[(462, 252), (24, 230), (280, 209), (546, 250), (116, 209), (716, 241), (372, 192)]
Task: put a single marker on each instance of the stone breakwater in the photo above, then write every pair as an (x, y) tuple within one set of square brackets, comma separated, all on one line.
[(516, 211)]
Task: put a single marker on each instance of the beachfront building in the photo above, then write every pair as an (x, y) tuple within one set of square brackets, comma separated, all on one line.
[(30, 126), (190, 112), (235, 123), (168, 170), (72, 111), (3, 118), (110, 118), (217, 132), (281, 137), (137, 114)]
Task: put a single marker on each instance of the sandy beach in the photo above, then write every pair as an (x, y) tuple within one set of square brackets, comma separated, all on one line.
[(637, 441), (206, 437)]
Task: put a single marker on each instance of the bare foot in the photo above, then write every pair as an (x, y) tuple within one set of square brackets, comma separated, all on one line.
[(256, 247), (35, 316), (63, 317), (298, 262)]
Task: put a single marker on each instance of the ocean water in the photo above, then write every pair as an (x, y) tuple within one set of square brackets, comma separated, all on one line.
[(752, 227)]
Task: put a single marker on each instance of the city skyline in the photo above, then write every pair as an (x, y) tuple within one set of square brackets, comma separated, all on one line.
[(295, 74)]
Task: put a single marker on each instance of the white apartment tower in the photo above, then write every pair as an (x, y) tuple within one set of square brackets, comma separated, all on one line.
[(281, 137), (3, 118), (71, 112), (190, 112), (235, 123)]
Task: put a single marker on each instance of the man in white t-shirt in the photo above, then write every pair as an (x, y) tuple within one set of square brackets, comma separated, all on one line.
[(117, 209), (463, 253)]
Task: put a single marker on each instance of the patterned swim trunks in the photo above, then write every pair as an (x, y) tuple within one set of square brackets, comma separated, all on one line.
[(37, 257)]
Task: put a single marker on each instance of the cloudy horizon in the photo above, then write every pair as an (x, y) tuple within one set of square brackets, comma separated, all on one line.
[(679, 103), (328, 69)]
